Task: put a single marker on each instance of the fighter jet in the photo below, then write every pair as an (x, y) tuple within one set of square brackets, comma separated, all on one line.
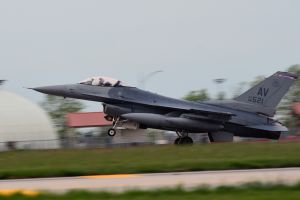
[(248, 115)]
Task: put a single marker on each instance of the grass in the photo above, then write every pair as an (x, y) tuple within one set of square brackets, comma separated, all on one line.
[(246, 192), (53, 163)]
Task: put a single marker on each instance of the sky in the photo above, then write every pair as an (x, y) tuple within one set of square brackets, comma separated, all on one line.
[(191, 41)]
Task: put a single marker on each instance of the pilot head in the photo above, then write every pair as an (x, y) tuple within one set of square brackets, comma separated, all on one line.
[(101, 81)]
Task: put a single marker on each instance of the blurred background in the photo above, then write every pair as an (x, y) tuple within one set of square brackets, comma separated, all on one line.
[(194, 50)]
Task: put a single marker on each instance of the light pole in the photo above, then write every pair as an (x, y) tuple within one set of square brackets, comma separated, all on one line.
[(143, 81), (219, 82)]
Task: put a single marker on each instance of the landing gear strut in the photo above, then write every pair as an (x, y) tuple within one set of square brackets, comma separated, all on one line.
[(183, 139), (112, 131)]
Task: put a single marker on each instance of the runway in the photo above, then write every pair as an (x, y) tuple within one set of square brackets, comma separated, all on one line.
[(123, 182)]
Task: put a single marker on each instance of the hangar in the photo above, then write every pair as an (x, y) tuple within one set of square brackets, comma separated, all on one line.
[(24, 125)]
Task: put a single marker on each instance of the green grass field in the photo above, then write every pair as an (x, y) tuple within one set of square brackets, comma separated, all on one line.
[(26, 164), (255, 191)]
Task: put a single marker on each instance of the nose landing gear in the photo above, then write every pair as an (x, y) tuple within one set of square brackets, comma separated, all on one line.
[(112, 131)]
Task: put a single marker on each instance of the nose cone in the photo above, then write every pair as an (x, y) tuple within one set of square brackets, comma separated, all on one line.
[(58, 90)]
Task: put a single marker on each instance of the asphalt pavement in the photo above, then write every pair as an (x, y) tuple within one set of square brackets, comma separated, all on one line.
[(123, 182)]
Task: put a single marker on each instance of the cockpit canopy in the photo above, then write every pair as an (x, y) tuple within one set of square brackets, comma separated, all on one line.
[(102, 81)]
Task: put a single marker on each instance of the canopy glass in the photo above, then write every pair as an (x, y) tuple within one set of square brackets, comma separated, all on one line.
[(102, 81)]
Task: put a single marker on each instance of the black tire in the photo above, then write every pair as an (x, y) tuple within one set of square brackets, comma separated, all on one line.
[(190, 140), (111, 132), (186, 141), (177, 141)]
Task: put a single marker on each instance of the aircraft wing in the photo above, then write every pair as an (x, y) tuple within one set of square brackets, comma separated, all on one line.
[(199, 112), (194, 111), (207, 115)]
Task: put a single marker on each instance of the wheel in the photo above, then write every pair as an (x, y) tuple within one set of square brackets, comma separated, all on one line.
[(189, 140), (186, 140), (177, 141), (111, 132)]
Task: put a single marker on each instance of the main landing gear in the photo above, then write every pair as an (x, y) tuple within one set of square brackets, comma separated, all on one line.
[(183, 138)]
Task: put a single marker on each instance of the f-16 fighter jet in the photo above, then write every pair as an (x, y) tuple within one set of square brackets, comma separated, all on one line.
[(248, 115)]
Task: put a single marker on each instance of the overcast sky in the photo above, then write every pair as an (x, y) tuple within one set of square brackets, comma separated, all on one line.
[(193, 42)]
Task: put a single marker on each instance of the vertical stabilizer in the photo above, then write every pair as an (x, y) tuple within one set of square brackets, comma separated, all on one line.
[(269, 92)]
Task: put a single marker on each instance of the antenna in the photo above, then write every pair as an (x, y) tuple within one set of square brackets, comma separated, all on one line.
[(146, 78)]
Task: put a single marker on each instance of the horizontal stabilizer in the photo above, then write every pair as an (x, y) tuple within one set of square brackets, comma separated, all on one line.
[(274, 128)]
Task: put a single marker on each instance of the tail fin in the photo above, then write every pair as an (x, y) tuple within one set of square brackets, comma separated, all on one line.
[(269, 92)]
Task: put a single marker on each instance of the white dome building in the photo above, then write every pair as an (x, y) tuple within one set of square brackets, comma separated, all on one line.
[(24, 125)]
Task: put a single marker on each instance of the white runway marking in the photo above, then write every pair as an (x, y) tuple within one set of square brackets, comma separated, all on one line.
[(122, 182)]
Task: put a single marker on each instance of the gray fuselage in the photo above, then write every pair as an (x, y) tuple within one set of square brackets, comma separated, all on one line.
[(156, 111)]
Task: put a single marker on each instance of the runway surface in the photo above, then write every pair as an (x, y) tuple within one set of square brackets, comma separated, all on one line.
[(123, 182)]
